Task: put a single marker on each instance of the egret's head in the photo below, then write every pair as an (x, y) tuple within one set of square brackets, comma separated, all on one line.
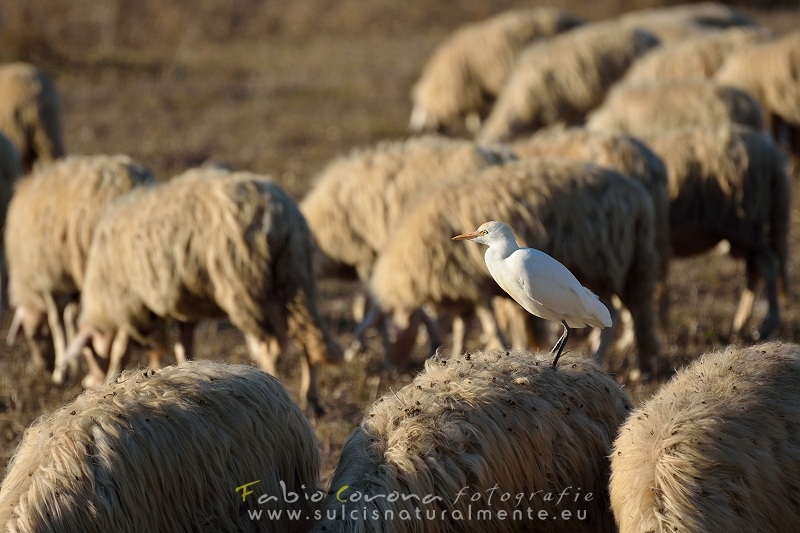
[(488, 233)]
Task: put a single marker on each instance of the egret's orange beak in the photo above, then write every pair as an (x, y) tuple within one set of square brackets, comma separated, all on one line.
[(467, 236)]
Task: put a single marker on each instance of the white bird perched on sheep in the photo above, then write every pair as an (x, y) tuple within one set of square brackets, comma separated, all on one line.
[(537, 282)]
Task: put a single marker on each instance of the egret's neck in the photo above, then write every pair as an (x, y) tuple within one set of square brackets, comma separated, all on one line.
[(502, 249)]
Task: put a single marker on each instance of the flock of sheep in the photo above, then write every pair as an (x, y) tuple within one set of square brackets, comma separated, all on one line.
[(613, 146)]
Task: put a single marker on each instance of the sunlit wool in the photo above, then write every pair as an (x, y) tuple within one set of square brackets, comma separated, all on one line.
[(647, 109), (165, 451), (471, 421), (563, 78), (467, 71), (716, 449)]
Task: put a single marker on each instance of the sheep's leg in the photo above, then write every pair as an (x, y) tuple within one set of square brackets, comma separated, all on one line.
[(401, 336), (119, 346), (262, 353), (459, 329), (603, 339), (745, 309), (184, 348), (32, 323), (361, 307), (434, 332), (768, 267), (57, 332), (71, 311), (490, 328), (96, 375), (374, 317), (309, 384)]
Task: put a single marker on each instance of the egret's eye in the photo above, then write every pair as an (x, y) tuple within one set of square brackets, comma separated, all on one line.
[(485, 232)]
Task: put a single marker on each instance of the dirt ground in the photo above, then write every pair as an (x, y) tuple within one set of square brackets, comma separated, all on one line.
[(281, 88)]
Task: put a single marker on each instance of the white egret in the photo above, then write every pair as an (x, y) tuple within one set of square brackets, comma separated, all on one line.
[(539, 283)]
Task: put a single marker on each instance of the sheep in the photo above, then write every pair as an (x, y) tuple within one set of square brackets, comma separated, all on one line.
[(646, 109), (561, 79), (10, 171), (466, 72), (358, 198), (49, 227), (697, 58), (204, 244), (731, 183), (716, 449), (629, 156), (199, 446), (436, 449), (597, 222), (30, 114), (677, 23), (768, 71)]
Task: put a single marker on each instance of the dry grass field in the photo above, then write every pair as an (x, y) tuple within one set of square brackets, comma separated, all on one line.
[(281, 88)]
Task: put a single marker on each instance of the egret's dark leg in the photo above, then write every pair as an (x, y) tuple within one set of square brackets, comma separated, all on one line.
[(559, 347)]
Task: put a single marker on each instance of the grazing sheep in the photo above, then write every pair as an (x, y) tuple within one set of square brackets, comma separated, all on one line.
[(49, 228), (466, 72), (10, 171), (716, 449), (358, 199), (676, 23), (30, 113), (731, 183), (697, 58), (646, 109), (205, 244), (595, 221), (769, 71), (563, 78), (472, 422), (199, 446)]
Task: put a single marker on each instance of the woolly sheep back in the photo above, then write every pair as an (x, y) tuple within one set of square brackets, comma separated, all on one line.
[(358, 198), (476, 420), (468, 69), (31, 113), (676, 23), (768, 71), (164, 451), (716, 449), (619, 151), (696, 58), (647, 109), (563, 78)]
